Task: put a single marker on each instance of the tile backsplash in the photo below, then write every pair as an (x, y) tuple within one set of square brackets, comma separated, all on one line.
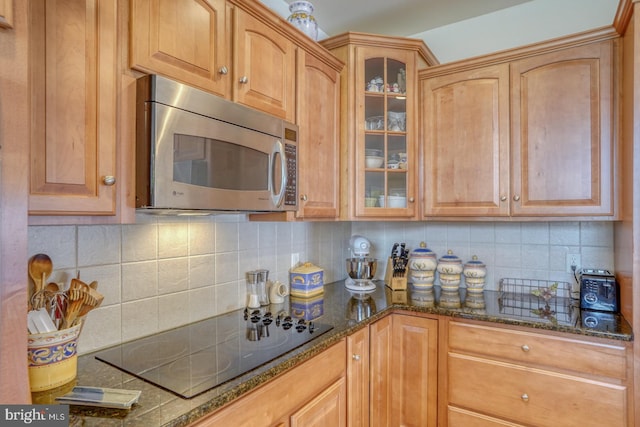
[(528, 250), (163, 272)]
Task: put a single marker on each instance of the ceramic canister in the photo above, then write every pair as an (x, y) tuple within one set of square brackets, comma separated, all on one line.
[(422, 266), (449, 269), (449, 264), (474, 273)]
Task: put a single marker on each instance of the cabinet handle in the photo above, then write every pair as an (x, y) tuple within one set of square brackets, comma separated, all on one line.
[(411, 200), (516, 198), (109, 180), (525, 397), (525, 348), (503, 198), (356, 357), (223, 70), (244, 80), (303, 197)]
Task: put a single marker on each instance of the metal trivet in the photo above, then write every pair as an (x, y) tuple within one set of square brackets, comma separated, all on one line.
[(524, 298)]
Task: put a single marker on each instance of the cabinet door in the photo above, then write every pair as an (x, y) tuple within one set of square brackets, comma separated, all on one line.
[(264, 67), (73, 94), (381, 371), (404, 371), (319, 148), (358, 379), (385, 127), (562, 137), (326, 409), (182, 39), (415, 369), (466, 143)]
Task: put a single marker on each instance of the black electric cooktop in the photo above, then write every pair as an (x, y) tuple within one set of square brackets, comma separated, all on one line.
[(195, 358)]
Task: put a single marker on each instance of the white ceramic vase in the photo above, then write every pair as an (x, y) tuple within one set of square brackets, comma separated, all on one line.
[(302, 18)]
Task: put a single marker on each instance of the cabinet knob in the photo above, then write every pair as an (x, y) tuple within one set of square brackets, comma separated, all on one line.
[(223, 70), (525, 397), (516, 198), (503, 198), (356, 357), (525, 348), (411, 200), (109, 180), (303, 197), (244, 80)]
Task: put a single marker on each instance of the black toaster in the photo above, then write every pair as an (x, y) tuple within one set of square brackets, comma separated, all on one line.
[(598, 290)]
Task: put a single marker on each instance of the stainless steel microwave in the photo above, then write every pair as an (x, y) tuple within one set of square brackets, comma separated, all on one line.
[(198, 152)]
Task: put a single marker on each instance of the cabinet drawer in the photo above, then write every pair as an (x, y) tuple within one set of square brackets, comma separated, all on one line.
[(525, 347), (462, 418), (533, 396)]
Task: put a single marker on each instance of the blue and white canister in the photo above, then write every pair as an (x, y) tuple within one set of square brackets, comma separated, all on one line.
[(302, 18)]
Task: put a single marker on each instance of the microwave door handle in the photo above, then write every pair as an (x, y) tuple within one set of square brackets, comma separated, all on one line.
[(276, 198)]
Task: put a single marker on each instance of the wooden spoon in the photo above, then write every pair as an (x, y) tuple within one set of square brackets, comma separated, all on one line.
[(40, 268)]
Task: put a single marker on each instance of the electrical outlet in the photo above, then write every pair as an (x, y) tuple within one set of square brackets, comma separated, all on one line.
[(295, 259), (573, 262)]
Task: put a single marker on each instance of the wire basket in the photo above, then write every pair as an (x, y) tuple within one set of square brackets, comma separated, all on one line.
[(536, 299)]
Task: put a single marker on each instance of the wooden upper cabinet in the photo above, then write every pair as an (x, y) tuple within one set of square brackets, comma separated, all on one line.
[(264, 67), (531, 137), (561, 130), (73, 58), (319, 149), (182, 39), (379, 168), (217, 47), (466, 148)]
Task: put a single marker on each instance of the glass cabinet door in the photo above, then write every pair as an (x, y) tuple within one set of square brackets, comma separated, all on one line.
[(388, 177)]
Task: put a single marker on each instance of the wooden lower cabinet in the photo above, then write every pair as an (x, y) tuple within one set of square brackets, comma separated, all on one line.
[(506, 377), (358, 378), (312, 394), (403, 371)]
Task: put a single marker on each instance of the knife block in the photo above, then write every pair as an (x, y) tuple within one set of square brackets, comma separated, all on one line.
[(396, 283)]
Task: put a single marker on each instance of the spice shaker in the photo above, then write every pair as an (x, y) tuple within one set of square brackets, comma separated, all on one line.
[(252, 289), (263, 297)]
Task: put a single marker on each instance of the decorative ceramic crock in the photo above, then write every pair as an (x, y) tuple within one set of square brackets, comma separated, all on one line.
[(475, 268), (52, 358), (422, 266), (475, 272), (302, 18), (449, 264)]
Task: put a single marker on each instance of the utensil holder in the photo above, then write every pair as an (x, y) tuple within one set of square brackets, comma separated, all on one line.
[(52, 358), (396, 283)]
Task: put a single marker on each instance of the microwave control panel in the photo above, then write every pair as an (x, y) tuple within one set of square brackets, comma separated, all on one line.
[(290, 196)]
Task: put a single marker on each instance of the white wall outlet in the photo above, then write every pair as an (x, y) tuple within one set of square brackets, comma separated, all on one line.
[(573, 262), (295, 259)]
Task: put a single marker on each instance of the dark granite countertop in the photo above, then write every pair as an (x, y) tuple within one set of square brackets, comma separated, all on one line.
[(347, 312)]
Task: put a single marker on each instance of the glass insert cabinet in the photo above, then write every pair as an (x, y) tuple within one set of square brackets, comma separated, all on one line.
[(386, 141), (385, 134), (379, 129)]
